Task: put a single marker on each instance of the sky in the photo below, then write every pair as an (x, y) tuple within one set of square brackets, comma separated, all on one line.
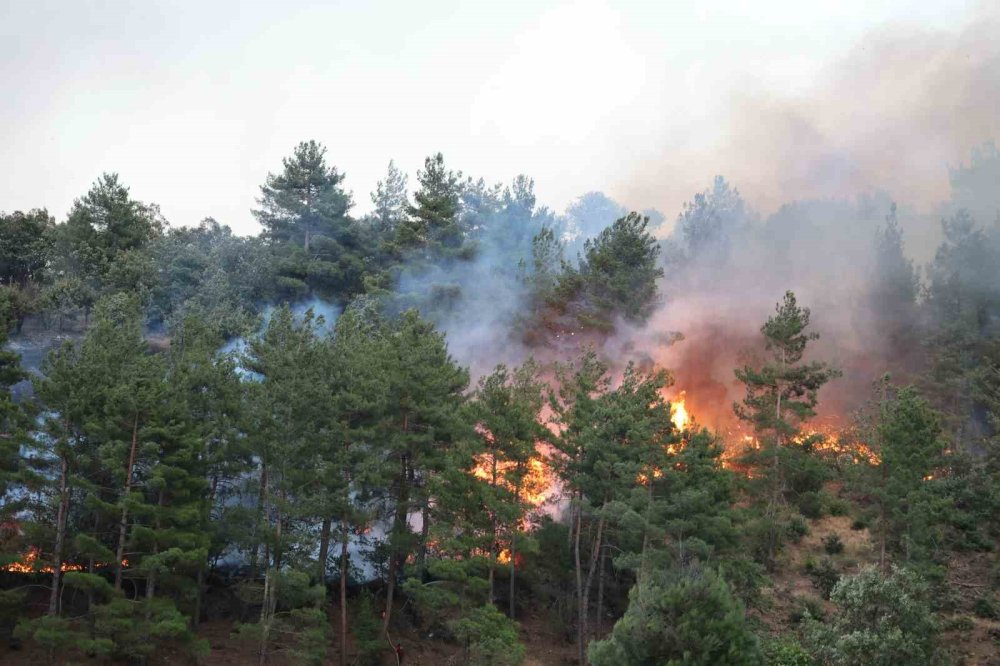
[(193, 103)]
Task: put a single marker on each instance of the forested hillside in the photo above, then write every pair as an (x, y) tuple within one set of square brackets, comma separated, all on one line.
[(466, 428)]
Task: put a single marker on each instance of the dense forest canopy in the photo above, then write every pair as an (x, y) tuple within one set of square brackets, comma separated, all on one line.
[(463, 416)]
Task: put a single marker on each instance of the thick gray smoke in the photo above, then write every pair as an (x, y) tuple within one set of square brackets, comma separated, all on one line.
[(897, 120), (893, 114)]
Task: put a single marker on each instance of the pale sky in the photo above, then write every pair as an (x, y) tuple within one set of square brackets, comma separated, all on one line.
[(194, 102)]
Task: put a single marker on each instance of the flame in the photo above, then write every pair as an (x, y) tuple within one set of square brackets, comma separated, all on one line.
[(28, 564), (537, 486), (679, 413)]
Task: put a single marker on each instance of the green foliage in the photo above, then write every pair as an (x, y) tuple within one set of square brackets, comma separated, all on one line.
[(986, 606), (367, 632), (824, 575), (781, 395), (691, 619), (880, 620), (139, 629), (797, 528), (786, 651), (489, 637), (833, 545)]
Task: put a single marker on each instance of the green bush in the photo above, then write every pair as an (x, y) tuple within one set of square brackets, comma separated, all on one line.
[(839, 507), (690, 618), (810, 504), (860, 523), (367, 630), (797, 528), (787, 651), (807, 607), (833, 545), (824, 575), (490, 637), (986, 606), (880, 620)]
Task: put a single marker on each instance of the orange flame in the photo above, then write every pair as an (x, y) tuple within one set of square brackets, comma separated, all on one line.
[(29, 564)]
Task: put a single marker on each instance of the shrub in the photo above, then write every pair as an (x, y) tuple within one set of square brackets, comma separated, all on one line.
[(833, 545), (490, 637), (690, 618), (797, 528), (824, 575), (986, 606), (787, 651), (367, 632), (839, 507), (810, 504), (880, 620), (860, 523), (807, 607)]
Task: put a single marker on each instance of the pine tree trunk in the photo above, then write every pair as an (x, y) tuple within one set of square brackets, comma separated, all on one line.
[(270, 600), (579, 586), (324, 548), (123, 523), (261, 501), (601, 567), (151, 578), (398, 524), (343, 595), (591, 569), (57, 555), (494, 545)]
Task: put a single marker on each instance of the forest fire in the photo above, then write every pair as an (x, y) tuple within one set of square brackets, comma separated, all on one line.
[(29, 564), (537, 486)]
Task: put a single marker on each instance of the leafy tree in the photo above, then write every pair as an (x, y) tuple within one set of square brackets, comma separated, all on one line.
[(689, 618), (781, 394), (25, 246), (881, 620)]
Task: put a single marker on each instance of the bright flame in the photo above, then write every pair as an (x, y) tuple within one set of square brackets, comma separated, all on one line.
[(679, 413)]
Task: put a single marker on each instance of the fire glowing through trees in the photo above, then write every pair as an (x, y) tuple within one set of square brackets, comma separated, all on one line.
[(29, 564)]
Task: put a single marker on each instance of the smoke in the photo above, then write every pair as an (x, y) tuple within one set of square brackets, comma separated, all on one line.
[(892, 115)]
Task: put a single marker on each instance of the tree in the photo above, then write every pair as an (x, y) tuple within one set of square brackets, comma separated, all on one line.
[(688, 618), (490, 638), (25, 246), (706, 227), (893, 291), (391, 201), (105, 227), (304, 212), (881, 620), (506, 411), (433, 224), (906, 438), (781, 394), (591, 213), (426, 389), (289, 427)]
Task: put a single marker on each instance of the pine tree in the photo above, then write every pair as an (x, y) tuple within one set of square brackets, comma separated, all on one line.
[(781, 394), (390, 200), (318, 248), (506, 411), (426, 389), (433, 224)]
